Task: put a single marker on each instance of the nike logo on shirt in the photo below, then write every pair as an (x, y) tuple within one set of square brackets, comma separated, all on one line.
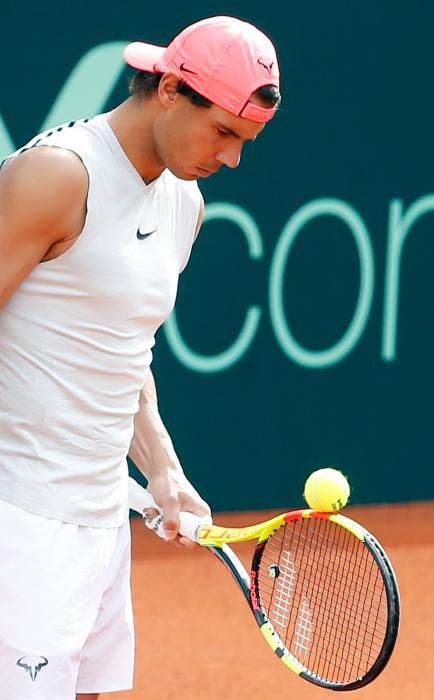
[(141, 236)]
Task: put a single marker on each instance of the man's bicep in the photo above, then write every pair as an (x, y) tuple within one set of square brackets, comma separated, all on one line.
[(16, 261), (40, 197)]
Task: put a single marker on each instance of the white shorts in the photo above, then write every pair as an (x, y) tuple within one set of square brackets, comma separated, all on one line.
[(66, 623)]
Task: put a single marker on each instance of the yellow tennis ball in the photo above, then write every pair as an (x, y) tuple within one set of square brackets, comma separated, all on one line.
[(326, 490)]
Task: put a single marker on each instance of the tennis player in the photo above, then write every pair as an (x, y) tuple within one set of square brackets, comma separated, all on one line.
[(97, 220)]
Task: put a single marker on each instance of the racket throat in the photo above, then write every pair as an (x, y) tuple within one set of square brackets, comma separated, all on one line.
[(232, 563)]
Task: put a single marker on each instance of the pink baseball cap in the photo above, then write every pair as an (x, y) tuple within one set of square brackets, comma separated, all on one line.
[(222, 58)]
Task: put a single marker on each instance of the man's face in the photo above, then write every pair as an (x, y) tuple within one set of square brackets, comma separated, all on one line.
[(195, 142)]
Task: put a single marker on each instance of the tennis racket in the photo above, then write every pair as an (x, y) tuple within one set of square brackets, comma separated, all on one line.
[(321, 589)]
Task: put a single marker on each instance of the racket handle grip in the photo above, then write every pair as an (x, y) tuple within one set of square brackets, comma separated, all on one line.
[(140, 499)]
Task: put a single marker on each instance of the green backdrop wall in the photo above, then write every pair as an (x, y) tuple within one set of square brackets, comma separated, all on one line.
[(304, 331)]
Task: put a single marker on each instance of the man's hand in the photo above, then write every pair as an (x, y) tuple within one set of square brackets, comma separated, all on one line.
[(174, 493)]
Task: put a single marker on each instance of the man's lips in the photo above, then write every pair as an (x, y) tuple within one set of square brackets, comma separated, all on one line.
[(205, 172)]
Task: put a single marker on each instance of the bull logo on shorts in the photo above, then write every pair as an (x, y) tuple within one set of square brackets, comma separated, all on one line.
[(32, 664)]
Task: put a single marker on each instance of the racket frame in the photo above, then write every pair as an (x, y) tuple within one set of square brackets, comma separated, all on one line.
[(217, 540)]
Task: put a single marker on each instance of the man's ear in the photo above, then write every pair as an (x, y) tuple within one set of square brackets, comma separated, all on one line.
[(168, 89)]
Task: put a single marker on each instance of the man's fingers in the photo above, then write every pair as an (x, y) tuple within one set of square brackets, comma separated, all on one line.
[(187, 543), (153, 520), (166, 522), (171, 510)]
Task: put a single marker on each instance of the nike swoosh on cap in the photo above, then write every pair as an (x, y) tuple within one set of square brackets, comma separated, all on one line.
[(186, 70), (141, 236)]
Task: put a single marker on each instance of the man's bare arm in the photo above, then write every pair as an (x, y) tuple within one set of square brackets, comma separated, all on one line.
[(43, 195), (153, 453)]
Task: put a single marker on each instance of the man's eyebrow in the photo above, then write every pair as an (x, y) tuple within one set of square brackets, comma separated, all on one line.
[(232, 132), (228, 130)]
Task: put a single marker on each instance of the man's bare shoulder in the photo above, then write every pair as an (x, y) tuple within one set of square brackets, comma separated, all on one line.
[(48, 186), (45, 169)]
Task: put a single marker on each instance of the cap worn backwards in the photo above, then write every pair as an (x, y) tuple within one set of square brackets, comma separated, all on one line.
[(223, 58)]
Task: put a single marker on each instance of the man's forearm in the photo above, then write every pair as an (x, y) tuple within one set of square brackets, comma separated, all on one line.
[(153, 453), (151, 449)]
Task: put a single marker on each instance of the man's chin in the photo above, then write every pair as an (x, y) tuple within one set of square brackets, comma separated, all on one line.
[(183, 175)]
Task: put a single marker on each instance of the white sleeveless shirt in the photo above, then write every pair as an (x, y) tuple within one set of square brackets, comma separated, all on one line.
[(76, 337)]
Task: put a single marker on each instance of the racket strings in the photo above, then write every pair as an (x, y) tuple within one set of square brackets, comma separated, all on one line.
[(324, 594)]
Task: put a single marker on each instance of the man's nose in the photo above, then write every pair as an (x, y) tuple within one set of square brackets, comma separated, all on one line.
[(230, 156)]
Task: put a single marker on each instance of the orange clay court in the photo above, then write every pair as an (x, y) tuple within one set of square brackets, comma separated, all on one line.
[(196, 639)]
